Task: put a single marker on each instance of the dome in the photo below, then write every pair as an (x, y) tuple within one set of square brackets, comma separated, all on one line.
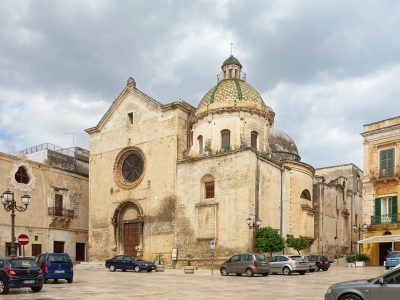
[(231, 60), (231, 93), (282, 146)]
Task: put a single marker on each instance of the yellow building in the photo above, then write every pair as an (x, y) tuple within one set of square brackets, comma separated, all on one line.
[(381, 188)]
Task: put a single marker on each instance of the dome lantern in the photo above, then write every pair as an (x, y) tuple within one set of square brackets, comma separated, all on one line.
[(231, 68)]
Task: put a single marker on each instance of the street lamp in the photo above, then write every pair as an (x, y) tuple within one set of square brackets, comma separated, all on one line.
[(253, 224), (358, 229), (10, 204)]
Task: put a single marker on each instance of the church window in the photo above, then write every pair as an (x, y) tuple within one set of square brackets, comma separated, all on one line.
[(132, 167), (129, 167), (254, 136), (226, 139), (305, 195), (130, 117), (200, 140), (209, 190), (21, 176)]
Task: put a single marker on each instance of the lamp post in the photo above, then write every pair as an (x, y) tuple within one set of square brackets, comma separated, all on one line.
[(253, 224), (358, 229), (10, 204)]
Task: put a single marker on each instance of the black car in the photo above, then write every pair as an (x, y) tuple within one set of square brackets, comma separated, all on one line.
[(128, 262), (321, 261), (20, 273)]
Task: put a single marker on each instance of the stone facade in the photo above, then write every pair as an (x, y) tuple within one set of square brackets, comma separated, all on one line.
[(171, 178), (52, 225), (381, 183)]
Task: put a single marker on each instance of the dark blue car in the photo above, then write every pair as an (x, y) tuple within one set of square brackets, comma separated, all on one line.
[(392, 260), (127, 262), (56, 266), (19, 273)]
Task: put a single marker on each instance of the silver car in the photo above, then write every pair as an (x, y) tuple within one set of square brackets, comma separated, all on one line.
[(386, 286), (248, 263), (288, 264)]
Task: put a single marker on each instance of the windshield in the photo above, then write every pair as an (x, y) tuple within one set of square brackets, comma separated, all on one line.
[(22, 263), (394, 254), (260, 257), (59, 258)]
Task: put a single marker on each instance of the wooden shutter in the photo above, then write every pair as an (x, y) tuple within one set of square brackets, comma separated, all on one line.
[(394, 209), (378, 211), (390, 156)]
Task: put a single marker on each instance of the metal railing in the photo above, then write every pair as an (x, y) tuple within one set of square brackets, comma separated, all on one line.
[(61, 212), (385, 219), (388, 172)]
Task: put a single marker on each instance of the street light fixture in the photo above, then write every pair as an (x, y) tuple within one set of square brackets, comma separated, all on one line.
[(359, 229), (253, 224), (10, 204)]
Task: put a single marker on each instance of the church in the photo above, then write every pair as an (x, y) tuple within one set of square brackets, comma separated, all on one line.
[(171, 178)]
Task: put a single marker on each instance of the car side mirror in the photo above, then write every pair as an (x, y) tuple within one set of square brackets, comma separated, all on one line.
[(381, 281)]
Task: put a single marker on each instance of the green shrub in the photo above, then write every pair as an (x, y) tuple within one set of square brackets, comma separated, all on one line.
[(361, 257), (350, 258)]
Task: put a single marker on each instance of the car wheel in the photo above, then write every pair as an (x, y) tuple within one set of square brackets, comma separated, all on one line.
[(325, 269), (3, 287), (387, 268), (69, 280), (112, 268), (265, 274), (312, 270), (137, 269), (286, 271), (149, 271), (302, 272), (350, 297), (224, 272), (238, 274), (249, 272), (36, 289), (123, 270)]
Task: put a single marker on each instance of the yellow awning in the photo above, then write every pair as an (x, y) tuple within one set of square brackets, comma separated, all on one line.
[(381, 239)]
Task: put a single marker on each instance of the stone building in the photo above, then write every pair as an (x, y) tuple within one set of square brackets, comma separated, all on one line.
[(381, 188), (338, 206), (170, 178), (57, 217)]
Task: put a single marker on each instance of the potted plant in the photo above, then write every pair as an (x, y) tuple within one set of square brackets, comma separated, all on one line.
[(160, 263), (361, 259), (350, 259), (188, 269)]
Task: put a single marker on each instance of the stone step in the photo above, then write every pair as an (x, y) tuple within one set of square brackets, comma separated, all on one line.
[(89, 265)]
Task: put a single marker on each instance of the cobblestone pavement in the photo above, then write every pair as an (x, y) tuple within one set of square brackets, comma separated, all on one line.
[(173, 284)]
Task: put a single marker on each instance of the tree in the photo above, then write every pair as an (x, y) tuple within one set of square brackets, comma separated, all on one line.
[(269, 240), (297, 244)]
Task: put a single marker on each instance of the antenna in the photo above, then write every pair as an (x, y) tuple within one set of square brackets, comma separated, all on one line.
[(73, 137)]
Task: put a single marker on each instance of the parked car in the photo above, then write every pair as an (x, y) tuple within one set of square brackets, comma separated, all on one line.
[(385, 286), (128, 262), (288, 264), (19, 273), (246, 263), (56, 266), (312, 265), (392, 260), (321, 261)]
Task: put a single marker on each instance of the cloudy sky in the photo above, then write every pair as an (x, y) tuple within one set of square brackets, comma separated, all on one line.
[(325, 67)]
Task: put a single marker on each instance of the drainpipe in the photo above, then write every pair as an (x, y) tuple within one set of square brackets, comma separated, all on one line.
[(281, 212)]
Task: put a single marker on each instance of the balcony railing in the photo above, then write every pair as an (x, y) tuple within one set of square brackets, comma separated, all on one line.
[(384, 219), (388, 172), (61, 212)]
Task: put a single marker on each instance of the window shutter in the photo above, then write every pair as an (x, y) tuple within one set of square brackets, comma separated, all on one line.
[(390, 160), (383, 159), (394, 209), (378, 211)]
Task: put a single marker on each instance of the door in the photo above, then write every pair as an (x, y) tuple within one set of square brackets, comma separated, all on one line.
[(233, 264), (80, 251), (131, 237), (58, 247), (36, 249), (389, 289), (384, 249), (273, 262)]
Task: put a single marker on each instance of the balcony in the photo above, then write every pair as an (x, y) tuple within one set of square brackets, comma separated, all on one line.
[(384, 219), (385, 174), (61, 212)]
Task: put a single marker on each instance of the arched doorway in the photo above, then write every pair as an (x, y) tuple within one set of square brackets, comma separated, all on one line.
[(128, 225)]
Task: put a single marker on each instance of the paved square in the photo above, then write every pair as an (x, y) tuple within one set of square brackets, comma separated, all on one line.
[(173, 284)]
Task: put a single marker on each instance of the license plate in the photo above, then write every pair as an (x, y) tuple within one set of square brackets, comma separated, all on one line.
[(59, 271), (29, 281)]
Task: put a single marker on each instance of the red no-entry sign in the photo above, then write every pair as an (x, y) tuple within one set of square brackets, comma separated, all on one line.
[(23, 239)]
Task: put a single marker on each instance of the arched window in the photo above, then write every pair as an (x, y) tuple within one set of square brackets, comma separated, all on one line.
[(254, 136), (208, 186), (200, 141), (225, 139), (22, 176), (305, 195)]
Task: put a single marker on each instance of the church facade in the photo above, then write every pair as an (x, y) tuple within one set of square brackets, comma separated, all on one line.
[(170, 178)]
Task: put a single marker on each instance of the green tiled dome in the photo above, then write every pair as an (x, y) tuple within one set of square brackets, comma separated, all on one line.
[(232, 60)]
